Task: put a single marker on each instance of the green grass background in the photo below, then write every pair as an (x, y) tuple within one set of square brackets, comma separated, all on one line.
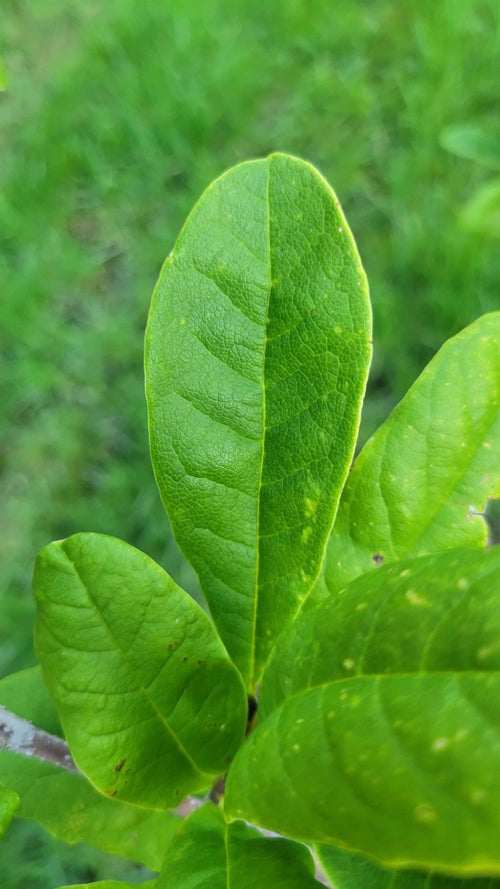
[(115, 118)]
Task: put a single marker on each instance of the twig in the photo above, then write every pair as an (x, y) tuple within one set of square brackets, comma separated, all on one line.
[(21, 736)]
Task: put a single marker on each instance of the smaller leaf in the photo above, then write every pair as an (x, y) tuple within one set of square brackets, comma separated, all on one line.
[(151, 705), (66, 804), (9, 801), (206, 851), (71, 809), (421, 482), (348, 870)]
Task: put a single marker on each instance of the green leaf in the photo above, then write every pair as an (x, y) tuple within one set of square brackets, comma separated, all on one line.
[(68, 807), (208, 852), (351, 871), (257, 351), (404, 730), (428, 614), (151, 706), (66, 804), (9, 801), (422, 481), (26, 694)]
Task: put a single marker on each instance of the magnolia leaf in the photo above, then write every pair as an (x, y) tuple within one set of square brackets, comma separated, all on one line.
[(351, 871), (421, 483), (206, 851), (401, 722), (257, 351), (70, 808), (403, 768), (9, 801), (433, 613), (66, 804), (150, 704)]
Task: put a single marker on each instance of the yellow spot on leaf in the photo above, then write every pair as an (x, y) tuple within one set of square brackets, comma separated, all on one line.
[(415, 599)]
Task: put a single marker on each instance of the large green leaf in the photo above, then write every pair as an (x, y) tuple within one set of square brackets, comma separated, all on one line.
[(66, 804), (433, 613), (395, 750), (257, 351), (422, 480), (207, 852), (151, 705), (350, 871), (9, 802)]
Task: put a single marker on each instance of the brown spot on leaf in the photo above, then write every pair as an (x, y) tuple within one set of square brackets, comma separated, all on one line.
[(377, 558), (120, 765)]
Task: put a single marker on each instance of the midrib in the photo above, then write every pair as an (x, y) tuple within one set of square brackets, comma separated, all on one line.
[(264, 427)]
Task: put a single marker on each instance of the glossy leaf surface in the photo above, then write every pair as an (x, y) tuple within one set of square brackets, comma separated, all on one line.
[(428, 614), (351, 871), (395, 750), (421, 481), (66, 804), (151, 706), (257, 351), (208, 852)]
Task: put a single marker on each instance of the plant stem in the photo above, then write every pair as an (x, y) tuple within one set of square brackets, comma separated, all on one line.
[(21, 736)]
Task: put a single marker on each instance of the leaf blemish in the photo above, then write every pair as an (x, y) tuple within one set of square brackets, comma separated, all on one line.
[(415, 599), (440, 744), (310, 506), (120, 765), (377, 558)]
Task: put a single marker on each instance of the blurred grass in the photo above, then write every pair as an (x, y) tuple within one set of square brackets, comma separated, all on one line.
[(115, 118)]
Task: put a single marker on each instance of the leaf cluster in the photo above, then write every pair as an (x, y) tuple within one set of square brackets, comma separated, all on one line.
[(356, 602)]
